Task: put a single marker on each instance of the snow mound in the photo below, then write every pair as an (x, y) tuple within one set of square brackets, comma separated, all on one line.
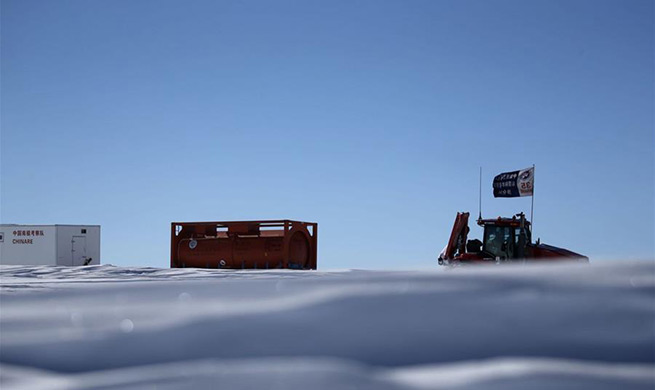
[(547, 326)]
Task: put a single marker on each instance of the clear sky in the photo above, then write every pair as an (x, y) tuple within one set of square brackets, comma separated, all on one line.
[(371, 118)]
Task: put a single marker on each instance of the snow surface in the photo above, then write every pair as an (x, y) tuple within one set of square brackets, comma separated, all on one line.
[(521, 327)]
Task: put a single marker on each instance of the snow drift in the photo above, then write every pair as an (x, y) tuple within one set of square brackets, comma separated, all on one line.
[(546, 326)]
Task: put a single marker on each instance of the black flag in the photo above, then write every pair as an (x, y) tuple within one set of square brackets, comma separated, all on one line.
[(514, 184)]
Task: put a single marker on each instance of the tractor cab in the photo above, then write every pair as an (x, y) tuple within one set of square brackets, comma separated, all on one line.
[(505, 238)]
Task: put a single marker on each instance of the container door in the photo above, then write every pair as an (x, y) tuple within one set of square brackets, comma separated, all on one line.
[(79, 250)]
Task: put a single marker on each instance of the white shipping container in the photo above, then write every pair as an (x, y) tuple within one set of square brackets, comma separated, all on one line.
[(70, 245)]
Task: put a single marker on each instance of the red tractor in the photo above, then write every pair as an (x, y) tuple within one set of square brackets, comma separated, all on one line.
[(505, 240)]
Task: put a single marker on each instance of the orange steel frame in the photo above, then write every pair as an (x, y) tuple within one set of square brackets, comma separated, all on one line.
[(242, 227)]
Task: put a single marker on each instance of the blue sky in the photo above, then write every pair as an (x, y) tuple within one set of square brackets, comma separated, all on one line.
[(371, 118)]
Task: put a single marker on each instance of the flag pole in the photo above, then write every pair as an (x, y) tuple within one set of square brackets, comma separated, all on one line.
[(480, 197), (532, 206)]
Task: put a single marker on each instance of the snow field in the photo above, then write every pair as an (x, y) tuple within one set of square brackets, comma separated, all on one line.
[(547, 326)]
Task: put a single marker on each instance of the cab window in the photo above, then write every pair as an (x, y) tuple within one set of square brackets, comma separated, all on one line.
[(494, 237)]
